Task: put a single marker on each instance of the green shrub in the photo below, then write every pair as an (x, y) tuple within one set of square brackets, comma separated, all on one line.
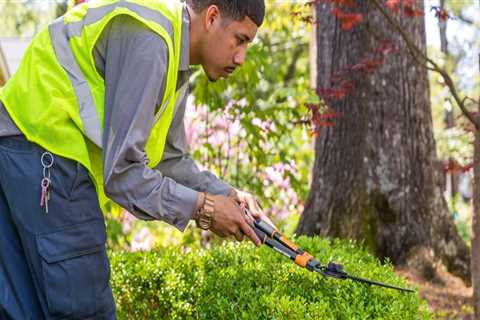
[(239, 281)]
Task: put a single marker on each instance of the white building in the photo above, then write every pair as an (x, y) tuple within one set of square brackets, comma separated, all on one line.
[(11, 53)]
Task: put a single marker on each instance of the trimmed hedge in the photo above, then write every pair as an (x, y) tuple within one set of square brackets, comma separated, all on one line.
[(239, 281)]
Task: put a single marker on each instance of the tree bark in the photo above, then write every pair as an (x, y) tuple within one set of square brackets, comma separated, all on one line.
[(476, 219), (442, 25), (376, 177)]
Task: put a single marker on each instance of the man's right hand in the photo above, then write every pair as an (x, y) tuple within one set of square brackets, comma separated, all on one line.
[(230, 220)]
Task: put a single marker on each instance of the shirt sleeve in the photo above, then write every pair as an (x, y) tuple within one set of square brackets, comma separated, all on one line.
[(135, 64), (178, 164)]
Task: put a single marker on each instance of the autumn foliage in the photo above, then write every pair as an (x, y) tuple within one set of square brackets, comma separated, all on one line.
[(342, 82)]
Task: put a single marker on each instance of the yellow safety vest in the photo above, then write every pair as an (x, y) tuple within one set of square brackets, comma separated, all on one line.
[(56, 98)]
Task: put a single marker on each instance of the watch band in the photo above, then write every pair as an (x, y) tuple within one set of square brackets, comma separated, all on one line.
[(205, 214)]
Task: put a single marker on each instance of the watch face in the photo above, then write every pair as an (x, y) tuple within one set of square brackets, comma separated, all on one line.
[(204, 222)]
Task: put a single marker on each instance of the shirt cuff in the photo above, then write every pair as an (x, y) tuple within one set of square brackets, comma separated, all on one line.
[(185, 200)]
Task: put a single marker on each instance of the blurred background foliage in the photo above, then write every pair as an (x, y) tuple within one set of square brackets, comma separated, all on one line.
[(250, 129), (455, 142)]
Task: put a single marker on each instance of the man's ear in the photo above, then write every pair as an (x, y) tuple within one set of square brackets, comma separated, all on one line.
[(212, 14)]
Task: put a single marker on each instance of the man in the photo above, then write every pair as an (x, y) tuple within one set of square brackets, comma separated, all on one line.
[(94, 114)]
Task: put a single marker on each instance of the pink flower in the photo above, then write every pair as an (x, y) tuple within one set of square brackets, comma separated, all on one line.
[(142, 240), (274, 175), (127, 220)]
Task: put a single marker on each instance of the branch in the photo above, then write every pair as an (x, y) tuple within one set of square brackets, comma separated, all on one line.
[(473, 100), (464, 19), (293, 64), (418, 56)]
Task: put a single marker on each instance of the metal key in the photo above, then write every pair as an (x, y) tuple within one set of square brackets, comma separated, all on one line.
[(47, 162), (45, 193)]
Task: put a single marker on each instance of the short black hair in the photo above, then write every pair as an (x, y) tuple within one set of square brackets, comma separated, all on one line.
[(235, 9)]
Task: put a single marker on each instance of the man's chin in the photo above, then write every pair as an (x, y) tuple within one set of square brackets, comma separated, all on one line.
[(216, 78), (211, 79)]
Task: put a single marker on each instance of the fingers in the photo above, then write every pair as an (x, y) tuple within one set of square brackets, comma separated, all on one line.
[(239, 236), (251, 216), (252, 204), (219, 233), (231, 219), (248, 231), (234, 194), (260, 215)]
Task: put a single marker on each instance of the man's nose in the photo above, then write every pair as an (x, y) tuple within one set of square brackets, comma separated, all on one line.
[(240, 56)]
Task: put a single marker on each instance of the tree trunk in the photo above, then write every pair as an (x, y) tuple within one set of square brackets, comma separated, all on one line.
[(442, 24), (476, 219), (376, 177)]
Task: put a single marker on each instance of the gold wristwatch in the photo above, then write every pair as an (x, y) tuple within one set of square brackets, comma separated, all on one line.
[(205, 213)]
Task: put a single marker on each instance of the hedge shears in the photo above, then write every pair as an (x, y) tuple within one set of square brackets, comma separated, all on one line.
[(275, 240)]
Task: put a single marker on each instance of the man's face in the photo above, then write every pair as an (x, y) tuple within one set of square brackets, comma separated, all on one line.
[(225, 45)]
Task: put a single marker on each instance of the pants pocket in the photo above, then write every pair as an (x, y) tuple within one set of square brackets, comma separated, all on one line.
[(75, 269)]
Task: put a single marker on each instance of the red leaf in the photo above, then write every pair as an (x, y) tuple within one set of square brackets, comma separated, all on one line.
[(328, 115), (367, 65), (337, 12), (386, 48), (320, 120), (332, 93), (339, 3), (393, 5), (324, 124), (315, 133), (410, 10), (454, 166), (347, 3), (440, 13), (347, 20), (338, 92)]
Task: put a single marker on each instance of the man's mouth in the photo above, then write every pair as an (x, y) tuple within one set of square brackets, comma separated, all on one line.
[(230, 70)]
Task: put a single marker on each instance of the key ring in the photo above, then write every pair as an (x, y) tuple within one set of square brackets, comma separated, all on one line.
[(47, 164), (45, 182), (46, 173)]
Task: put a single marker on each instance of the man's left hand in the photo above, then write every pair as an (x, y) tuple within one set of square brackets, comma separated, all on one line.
[(251, 203)]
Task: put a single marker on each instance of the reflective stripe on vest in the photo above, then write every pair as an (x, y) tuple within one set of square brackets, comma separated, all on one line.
[(60, 33), (56, 96)]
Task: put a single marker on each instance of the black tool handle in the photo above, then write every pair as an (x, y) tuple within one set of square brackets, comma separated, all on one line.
[(274, 244)]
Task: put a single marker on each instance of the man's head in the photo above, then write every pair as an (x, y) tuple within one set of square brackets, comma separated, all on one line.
[(221, 31)]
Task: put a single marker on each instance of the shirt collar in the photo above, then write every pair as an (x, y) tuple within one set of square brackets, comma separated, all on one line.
[(185, 41)]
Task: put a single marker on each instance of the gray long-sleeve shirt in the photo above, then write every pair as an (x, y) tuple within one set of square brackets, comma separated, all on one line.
[(133, 61)]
